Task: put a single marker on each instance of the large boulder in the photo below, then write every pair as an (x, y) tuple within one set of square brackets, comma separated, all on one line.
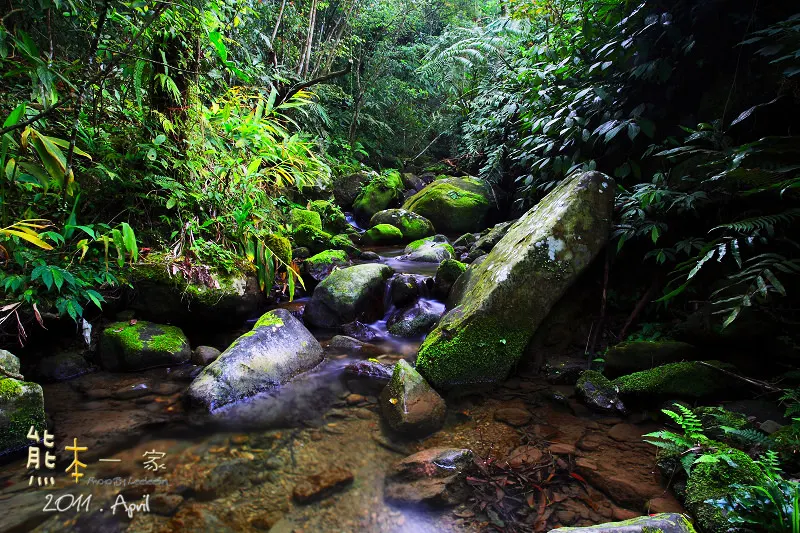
[(415, 320), (137, 345), (453, 205), (348, 294), (381, 193), (311, 237), (511, 292), (347, 188), (21, 406), (658, 523), (429, 250), (409, 404), (412, 225), (299, 217), (436, 476), (273, 352), (633, 356)]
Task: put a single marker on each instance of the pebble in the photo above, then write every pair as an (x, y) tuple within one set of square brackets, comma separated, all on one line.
[(321, 485), (560, 448), (513, 416)]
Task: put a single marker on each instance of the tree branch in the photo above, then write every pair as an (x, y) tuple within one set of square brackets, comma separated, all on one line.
[(297, 87)]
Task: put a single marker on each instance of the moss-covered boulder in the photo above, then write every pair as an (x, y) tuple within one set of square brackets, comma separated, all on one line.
[(280, 246), (446, 275), (164, 293), (333, 219), (412, 225), (453, 205), (409, 404), (687, 380), (312, 238), (488, 241), (598, 393), (383, 234), (345, 243), (319, 266), (416, 320), (21, 406), (346, 188), (300, 217), (657, 523), (633, 356), (466, 240), (272, 353), (348, 294), (509, 294), (129, 346), (381, 193), (429, 250), (712, 481)]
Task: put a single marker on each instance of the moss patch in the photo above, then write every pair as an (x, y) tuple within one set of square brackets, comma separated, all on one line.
[(449, 270), (328, 257), (675, 380), (300, 217), (22, 405), (453, 205), (712, 481), (126, 346), (312, 238), (270, 319), (412, 225), (280, 246)]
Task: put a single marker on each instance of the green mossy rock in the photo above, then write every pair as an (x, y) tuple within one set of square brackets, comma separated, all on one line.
[(509, 294), (658, 523), (429, 250), (466, 240), (280, 246), (272, 353), (344, 243), (383, 234), (21, 406), (9, 362), (381, 193), (348, 294), (446, 275), (633, 356), (125, 347), (453, 205), (412, 225), (312, 238), (715, 418), (409, 404), (300, 217), (689, 380), (712, 481), (333, 219), (347, 188), (319, 266)]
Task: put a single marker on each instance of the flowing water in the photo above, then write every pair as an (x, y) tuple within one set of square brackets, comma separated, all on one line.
[(237, 469)]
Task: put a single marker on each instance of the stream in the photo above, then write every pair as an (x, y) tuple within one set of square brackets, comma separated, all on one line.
[(238, 469)]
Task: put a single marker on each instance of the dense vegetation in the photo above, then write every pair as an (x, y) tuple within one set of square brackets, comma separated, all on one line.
[(185, 132)]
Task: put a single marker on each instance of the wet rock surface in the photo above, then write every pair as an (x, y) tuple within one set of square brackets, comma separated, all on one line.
[(436, 476), (409, 404), (348, 294), (319, 486), (598, 393)]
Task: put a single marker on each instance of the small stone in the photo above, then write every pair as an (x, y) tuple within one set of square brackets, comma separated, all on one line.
[(410, 405), (369, 256), (513, 416), (132, 391), (434, 476), (205, 355), (524, 455), (769, 426), (560, 448), (319, 486), (355, 399)]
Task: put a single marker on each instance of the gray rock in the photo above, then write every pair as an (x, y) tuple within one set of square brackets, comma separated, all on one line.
[(369, 256), (277, 349), (409, 404), (510, 293), (414, 321), (348, 294), (405, 288), (436, 476), (410, 181), (347, 188), (663, 523), (126, 346), (360, 331), (343, 343), (428, 252), (465, 241), (488, 241), (205, 355), (64, 366), (9, 362), (598, 393)]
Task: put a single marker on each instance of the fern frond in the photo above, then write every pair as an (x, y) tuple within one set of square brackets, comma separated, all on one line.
[(750, 437), (762, 223)]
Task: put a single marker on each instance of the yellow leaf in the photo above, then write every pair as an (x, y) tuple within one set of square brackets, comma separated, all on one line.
[(30, 238)]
